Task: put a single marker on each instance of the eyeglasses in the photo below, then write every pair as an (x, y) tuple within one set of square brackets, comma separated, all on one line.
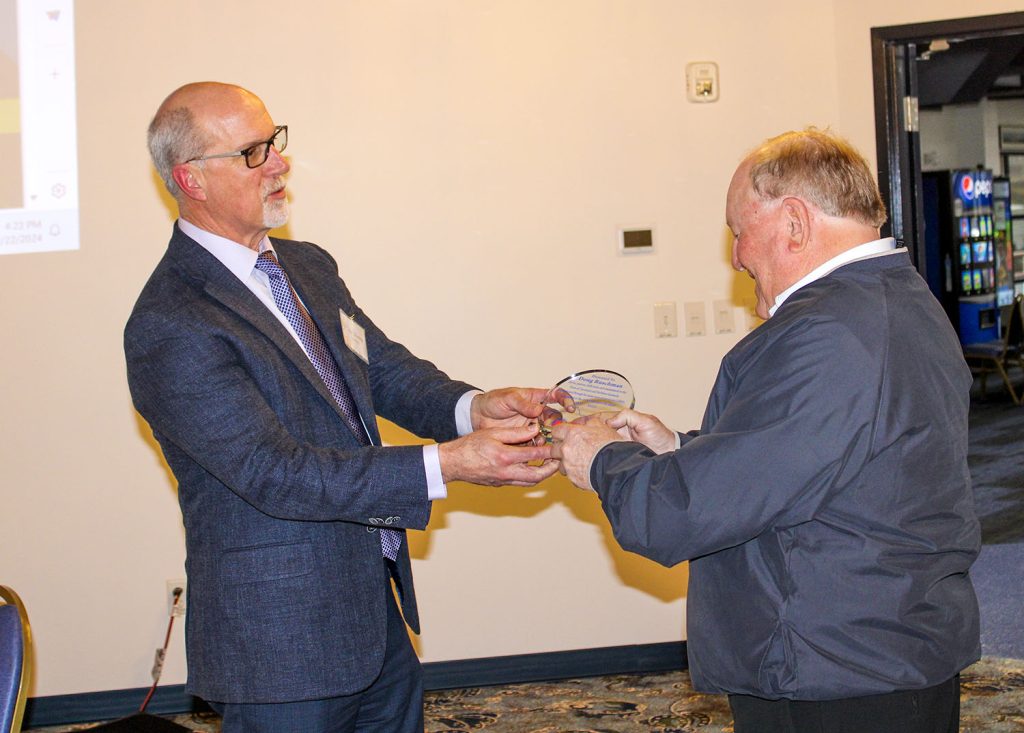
[(255, 155)]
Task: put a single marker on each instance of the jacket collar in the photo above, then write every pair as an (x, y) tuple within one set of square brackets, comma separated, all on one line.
[(219, 283)]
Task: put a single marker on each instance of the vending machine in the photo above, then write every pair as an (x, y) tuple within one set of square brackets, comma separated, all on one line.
[(960, 256), (1002, 242)]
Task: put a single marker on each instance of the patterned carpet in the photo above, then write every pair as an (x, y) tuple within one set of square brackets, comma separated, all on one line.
[(992, 699), (992, 702)]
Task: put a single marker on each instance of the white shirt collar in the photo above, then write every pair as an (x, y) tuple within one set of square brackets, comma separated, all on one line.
[(877, 248), (238, 258)]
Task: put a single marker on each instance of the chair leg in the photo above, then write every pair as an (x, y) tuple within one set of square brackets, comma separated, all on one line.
[(1020, 365), (1008, 383)]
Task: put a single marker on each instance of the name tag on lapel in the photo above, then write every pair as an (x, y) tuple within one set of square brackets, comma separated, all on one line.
[(355, 336)]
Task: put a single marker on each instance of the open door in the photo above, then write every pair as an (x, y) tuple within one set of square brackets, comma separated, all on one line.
[(895, 54)]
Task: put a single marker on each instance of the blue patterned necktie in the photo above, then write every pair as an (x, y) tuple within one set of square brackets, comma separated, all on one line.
[(320, 356)]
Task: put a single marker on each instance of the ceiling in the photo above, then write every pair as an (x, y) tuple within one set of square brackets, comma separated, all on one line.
[(956, 71)]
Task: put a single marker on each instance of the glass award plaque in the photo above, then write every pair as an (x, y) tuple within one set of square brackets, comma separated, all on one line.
[(583, 394)]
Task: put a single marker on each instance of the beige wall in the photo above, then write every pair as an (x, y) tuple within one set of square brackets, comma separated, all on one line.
[(469, 164)]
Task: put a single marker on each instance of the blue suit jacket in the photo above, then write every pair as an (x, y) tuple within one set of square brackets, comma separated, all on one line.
[(279, 500)]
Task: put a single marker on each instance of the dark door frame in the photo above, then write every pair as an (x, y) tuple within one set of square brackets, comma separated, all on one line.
[(898, 142)]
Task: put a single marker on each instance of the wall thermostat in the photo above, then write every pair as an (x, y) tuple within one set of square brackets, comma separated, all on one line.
[(636, 240)]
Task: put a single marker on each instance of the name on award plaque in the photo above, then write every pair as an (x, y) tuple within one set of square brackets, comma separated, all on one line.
[(583, 394)]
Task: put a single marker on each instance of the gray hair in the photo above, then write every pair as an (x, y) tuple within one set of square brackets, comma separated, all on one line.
[(173, 138), (821, 167)]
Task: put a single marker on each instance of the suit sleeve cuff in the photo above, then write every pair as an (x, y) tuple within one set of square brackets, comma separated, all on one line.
[(436, 488)]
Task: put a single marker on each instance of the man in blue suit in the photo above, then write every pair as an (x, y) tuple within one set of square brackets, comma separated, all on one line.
[(262, 379)]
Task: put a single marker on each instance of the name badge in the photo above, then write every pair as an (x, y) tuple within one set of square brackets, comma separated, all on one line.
[(355, 336)]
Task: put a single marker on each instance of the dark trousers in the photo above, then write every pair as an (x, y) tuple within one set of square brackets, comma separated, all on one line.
[(931, 710), (393, 703)]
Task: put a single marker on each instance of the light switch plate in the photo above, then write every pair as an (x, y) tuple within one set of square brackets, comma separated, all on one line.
[(725, 317), (693, 313), (666, 324)]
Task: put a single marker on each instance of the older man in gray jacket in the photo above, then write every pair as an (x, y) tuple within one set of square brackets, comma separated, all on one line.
[(825, 504)]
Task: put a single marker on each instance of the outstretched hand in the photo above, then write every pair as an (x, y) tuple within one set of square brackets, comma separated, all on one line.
[(497, 456), (513, 406)]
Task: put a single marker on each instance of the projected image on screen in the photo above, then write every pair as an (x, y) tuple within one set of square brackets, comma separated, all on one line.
[(10, 121), (39, 184)]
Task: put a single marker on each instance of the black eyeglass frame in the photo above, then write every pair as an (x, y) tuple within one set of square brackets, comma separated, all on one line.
[(247, 153)]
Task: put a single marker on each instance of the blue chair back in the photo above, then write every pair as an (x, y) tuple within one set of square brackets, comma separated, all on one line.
[(14, 642)]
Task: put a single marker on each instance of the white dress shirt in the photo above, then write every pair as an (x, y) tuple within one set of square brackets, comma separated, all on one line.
[(877, 248)]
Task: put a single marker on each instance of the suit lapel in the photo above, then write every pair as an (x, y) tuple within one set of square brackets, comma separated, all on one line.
[(221, 285)]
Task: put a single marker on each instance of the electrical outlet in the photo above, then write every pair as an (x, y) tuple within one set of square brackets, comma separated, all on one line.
[(172, 585)]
